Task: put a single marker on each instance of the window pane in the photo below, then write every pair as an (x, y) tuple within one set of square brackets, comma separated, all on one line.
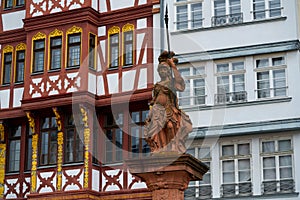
[(268, 147), (128, 55), (14, 155), (243, 149), (269, 162), (285, 161), (204, 152), (286, 173), (237, 66), (227, 150), (223, 67), (220, 8), (269, 174), (196, 15), (284, 145), (275, 8), (259, 9), (182, 17)]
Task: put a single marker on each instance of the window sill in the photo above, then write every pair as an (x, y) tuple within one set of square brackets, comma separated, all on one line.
[(72, 164), (37, 73), (73, 67), (266, 20), (54, 70)]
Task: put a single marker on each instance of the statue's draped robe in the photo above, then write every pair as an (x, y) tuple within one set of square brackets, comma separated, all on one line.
[(167, 127)]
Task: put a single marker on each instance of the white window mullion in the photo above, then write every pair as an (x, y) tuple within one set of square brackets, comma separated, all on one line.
[(271, 82)]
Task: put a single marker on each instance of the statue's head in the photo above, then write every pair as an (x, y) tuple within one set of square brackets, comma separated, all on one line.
[(163, 66)]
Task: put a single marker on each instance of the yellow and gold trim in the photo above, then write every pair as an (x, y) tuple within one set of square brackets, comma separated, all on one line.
[(7, 49), (70, 31), (19, 47), (113, 30), (60, 141), (87, 133), (38, 36), (55, 33), (34, 145), (126, 28)]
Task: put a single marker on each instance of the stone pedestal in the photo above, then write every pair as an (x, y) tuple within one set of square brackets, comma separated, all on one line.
[(167, 174)]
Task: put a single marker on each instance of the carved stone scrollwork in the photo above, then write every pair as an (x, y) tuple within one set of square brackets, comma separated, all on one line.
[(60, 141)]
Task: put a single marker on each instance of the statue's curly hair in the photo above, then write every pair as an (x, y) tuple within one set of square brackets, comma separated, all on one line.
[(165, 55)]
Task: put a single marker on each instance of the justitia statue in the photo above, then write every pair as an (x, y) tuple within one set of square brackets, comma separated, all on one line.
[(167, 127)]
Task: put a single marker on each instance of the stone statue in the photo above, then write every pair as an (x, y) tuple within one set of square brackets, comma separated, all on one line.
[(167, 127)]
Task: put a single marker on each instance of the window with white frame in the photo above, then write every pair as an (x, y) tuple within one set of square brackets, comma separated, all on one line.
[(271, 77), (230, 82), (194, 93), (236, 169), (266, 8), (277, 164), (200, 189), (188, 14), (227, 12)]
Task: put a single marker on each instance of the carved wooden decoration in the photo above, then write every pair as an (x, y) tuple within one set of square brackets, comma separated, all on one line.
[(60, 141), (86, 136), (34, 151)]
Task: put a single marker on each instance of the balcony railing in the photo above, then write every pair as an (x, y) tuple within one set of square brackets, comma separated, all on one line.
[(240, 189), (231, 97), (227, 19), (282, 186), (203, 192)]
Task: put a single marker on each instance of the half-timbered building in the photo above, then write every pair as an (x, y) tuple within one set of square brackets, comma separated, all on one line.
[(70, 72)]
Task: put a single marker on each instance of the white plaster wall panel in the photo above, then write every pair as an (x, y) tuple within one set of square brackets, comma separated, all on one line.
[(100, 86), (13, 20), (256, 178), (55, 10), (141, 2), (96, 180), (103, 6), (92, 83), (17, 188), (142, 83), (215, 170), (95, 4), (112, 173), (116, 5), (72, 173), (75, 5), (101, 31), (128, 78), (113, 83), (18, 95), (141, 23), (4, 98), (139, 42), (101, 53), (137, 185)]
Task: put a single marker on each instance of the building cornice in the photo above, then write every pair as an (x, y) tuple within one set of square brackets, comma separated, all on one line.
[(11, 36), (274, 47), (86, 14), (125, 14), (271, 126)]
